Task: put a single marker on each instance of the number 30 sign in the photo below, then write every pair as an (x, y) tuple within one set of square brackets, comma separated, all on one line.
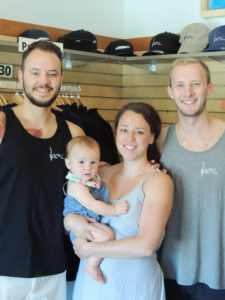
[(6, 71)]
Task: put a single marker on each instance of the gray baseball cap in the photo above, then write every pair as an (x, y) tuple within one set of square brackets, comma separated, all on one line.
[(194, 38)]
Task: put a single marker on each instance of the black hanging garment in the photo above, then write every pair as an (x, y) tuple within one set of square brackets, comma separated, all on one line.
[(95, 126)]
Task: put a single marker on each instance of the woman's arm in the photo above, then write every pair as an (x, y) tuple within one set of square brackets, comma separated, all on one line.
[(156, 209), (82, 194)]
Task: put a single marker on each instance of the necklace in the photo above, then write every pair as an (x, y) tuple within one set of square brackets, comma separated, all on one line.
[(94, 182)]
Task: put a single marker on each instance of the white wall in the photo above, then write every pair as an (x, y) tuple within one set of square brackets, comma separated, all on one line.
[(115, 18), (150, 17), (102, 17)]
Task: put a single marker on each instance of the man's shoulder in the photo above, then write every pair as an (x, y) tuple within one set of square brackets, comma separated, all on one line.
[(75, 130), (2, 115), (219, 122)]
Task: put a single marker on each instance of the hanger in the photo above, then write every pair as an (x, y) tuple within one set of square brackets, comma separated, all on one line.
[(3, 101), (16, 98), (82, 102)]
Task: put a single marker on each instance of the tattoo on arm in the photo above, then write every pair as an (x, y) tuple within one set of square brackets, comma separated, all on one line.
[(2, 128), (35, 132)]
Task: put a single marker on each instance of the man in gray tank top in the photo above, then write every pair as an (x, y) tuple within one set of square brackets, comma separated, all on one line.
[(193, 252)]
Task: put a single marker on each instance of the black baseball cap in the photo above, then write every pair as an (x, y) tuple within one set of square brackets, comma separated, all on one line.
[(81, 40), (163, 43), (120, 47)]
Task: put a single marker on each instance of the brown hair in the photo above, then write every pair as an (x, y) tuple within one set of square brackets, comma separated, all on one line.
[(46, 46), (152, 118)]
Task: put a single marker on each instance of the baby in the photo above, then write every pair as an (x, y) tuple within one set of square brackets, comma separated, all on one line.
[(86, 195)]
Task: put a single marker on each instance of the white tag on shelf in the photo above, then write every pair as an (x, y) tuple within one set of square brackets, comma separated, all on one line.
[(23, 44)]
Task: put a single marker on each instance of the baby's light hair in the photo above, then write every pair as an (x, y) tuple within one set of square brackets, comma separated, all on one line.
[(79, 141)]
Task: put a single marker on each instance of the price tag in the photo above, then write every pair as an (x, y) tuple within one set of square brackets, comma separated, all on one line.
[(6, 71)]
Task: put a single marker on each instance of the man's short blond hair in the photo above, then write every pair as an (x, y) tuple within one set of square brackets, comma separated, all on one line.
[(188, 61)]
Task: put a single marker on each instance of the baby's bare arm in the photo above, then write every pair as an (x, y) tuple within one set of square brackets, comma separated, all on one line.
[(82, 194), (122, 207)]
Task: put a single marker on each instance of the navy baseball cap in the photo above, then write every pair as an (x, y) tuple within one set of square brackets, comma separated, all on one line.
[(35, 34), (216, 39)]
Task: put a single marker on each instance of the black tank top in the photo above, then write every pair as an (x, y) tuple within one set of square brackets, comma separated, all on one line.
[(32, 172)]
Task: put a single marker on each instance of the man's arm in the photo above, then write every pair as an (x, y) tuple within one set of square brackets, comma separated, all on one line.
[(2, 125), (75, 129)]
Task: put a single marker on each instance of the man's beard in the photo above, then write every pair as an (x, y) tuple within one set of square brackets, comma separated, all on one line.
[(39, 103)]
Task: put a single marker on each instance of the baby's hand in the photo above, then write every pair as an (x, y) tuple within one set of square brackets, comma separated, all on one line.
[(122, 207)]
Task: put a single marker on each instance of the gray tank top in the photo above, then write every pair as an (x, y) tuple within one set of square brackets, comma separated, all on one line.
[(194, 246)]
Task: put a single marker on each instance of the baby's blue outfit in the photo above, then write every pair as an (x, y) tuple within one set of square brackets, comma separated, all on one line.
[(71, 205)]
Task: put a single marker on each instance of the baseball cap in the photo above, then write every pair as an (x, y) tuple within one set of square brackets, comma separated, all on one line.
[(163, 43), (120, 47), (35, 34), (217, 39), (81, 40), (194, 38)]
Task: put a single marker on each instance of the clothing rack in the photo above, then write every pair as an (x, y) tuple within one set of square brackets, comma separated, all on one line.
[(69, 94)]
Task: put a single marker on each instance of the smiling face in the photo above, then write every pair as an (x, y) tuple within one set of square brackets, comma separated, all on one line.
[(189, 89), (133, 136), (41, 77)]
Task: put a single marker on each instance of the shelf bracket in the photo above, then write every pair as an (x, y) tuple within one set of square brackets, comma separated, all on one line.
[(152, 67), (68, 64)]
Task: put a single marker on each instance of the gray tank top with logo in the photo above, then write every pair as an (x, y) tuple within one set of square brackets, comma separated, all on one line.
[(194, 246)]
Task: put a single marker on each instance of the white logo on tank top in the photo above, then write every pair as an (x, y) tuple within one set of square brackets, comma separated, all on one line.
[(206, 171), (55, 155)]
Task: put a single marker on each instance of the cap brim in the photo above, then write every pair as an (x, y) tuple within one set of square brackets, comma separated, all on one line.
[(192, 48), (96, 51), (157, 53), (36, 39), (212, 49), (84, 50), (121, 54), (151, 53), (129, 55)]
